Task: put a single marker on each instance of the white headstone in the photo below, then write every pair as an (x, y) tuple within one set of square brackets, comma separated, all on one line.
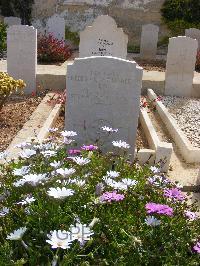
[(103, 91), (22, 55), (149, 40), (194, 34), (56, 27), (103, 38), (10, 21), (180, 66)]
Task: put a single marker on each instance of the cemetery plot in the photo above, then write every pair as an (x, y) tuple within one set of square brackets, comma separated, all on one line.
[(189, 151), (186, 112), (141, 140), (13, 116)]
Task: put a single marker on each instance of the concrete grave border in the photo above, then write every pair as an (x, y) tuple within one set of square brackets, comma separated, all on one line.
[(162, 150), (190, 154)]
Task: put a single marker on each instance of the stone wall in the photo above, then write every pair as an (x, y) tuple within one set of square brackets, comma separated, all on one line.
[(129, 14)]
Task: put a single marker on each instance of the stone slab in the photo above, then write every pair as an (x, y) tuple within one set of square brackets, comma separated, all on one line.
[(180, 66), (149, 41), (22, 55), (10, 21), (56, 27), (103, 91), (194, 34), (103, 38)]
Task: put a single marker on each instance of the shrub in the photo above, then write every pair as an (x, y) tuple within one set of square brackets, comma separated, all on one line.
[(21, 8), (2, 37), (92, 209), (72, 36), (198, 61), (8, 85), (133, 49), (52, 50), (181, 14)]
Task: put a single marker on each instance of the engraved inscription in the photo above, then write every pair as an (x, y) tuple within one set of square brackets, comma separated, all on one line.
[(103, 47)]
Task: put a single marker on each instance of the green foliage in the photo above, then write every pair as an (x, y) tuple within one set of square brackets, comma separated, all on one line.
[(120, 234), (21, 8), (3, 37), (164, 41), (133, 49), (72, 36), (181, 14)]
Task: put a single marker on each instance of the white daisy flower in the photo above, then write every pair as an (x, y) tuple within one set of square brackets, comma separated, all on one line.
[(112, 174), (81, 232), (80, 160), (60, 193), (44, 146), (66, 172), (68, 141), (4, 211), (17, 234), (27, 200), (121, 144), (78, 182), (109, 129), (19, 183), (59, 239), (154, 169), (48, 153), (129, 182), (27, 153), (53, 129), (23, 145), (3, 155), (21, 171), (68, 134), (33, 179), (55, 164), (116, 185), (152, 221)]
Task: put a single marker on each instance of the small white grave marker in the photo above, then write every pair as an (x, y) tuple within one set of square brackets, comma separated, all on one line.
[(56, 27), (194, 34), (103, 38), (180, 66), (149, 40), (22, 55), (10, 21), (103, 91)]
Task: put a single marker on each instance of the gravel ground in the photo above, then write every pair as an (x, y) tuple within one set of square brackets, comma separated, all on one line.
[(186, 112), (151, 65), (13, 116)]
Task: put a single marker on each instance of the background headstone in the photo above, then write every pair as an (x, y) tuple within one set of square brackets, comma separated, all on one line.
[(10, 21), (180, 66), (103, 38), (56, 27), (194, 34), (22, 55), (103, 91), (149, 41)]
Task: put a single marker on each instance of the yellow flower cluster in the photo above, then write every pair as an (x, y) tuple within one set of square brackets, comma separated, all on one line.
[(9, 85)]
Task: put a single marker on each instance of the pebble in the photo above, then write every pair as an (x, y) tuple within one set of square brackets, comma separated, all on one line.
[(186, 112)]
